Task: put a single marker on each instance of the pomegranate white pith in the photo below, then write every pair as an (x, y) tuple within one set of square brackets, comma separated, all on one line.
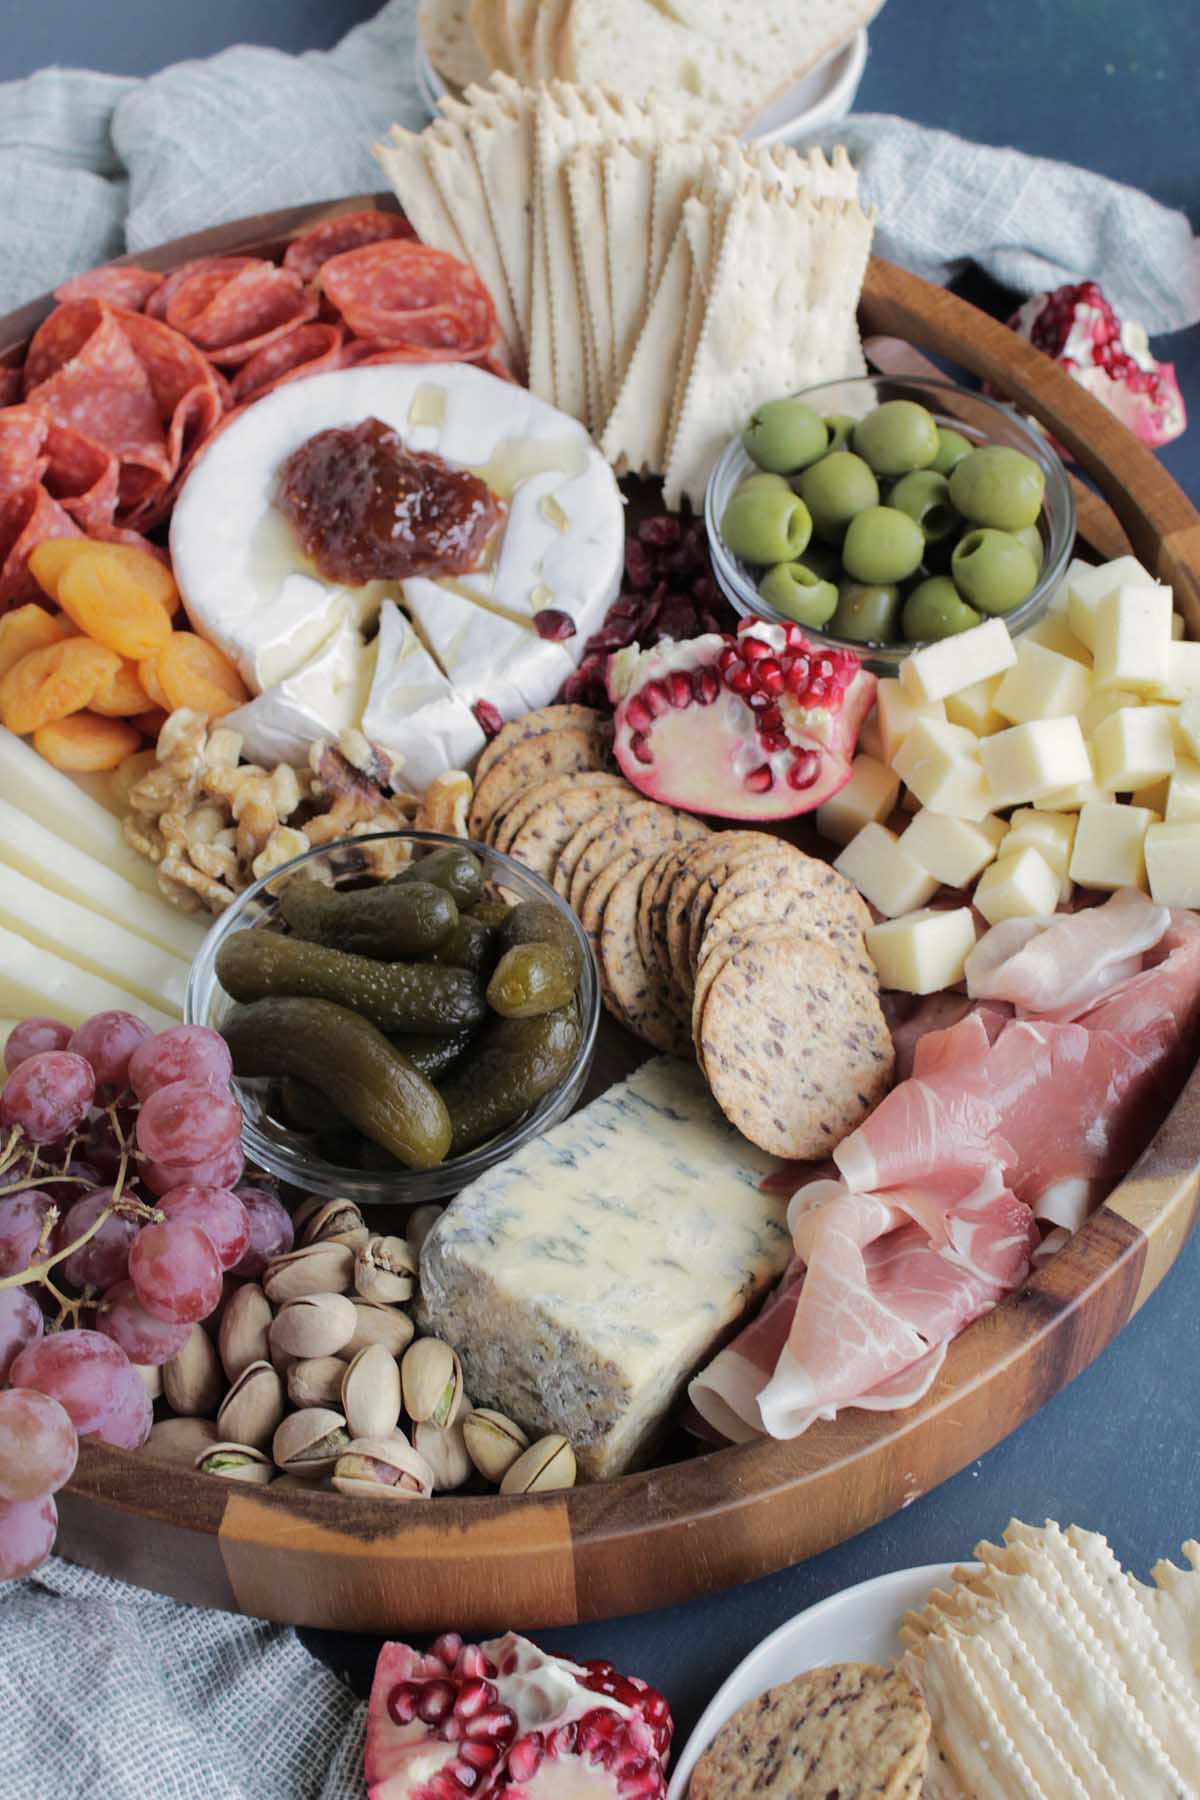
[(1110, 357), (758, 726)]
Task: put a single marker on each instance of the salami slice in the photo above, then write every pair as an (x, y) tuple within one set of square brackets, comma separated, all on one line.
[(231, 312), (11, 385), (162, 297), (122, 284), (23, 458), (333, 237), (82, 476), (26, 520), (83, 371), (307, 350), (414, 297)]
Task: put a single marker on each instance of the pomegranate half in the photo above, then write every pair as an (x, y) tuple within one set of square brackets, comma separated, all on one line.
[(1108, 356)]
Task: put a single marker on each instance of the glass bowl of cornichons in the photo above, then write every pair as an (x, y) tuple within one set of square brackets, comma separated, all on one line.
[(404, 1009)]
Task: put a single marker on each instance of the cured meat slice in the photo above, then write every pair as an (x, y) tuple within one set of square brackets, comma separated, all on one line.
[(307, 350), (1056, 969), (26, 520), (11, 385), (408, 294), (82, 476), (223, 266), (84, 373), (232, 307), (333, 237), (23, 459), (121, 284)]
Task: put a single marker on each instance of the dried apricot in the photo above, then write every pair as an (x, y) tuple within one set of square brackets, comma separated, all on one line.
[(51, 557), (151, 723), (123, 696), (51, 683), (192, 672), (148, 676), (98, 594), (139, 568), (26, 628), (86, 743)]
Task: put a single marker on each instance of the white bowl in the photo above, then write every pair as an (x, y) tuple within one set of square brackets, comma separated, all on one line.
[(825, 95)]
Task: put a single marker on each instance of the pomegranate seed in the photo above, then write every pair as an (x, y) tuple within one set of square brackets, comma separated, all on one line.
[(655, 696), (492, 1727), (770, 675), (818, 688), (771, 719), (480, 1757), (797, 676), (825, 668), (773, 740), (740, 680), (759, 701), (474, 1664), (795, 637), (638, 714), (754, 649), (402, 1703), (525, 1757), (679, 689), (490, 722), (705, 686), (472, 1697), (760, 780), (436, 1700), (728, 660), (564, 1738), (640, 745), (553, 625), (805, 767)]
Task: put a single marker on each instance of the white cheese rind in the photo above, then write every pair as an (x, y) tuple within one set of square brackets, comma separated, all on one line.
[(412, 711), (324, 697), (584, 1280)]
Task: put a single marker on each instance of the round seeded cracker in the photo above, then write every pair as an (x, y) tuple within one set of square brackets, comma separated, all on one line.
[(754, 938), (593, 901), (635, 991), (550, 826), (513, 814), (563, 751), (820, 913), (534, 724), (689, 899), (638, 825)]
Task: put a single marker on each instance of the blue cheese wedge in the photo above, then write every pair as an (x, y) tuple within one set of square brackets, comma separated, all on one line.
[(584, 1280)]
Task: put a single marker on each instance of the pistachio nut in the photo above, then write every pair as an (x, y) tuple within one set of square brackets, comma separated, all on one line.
[(316, 1325), (377, 1324), (242, 1338), (309, 1442), (306, 1210), (550, 1463), (385, 1467), (180, 1440), (385, 1270), (370, 1393), (236, 1462), (421, 1221), (332, 1222), (193, 1380), (279, 1358), (446, 1453), (493, 1442), (431, 1377), (316, 1381), (151, 1377), (253, 1407), (325, 1268)]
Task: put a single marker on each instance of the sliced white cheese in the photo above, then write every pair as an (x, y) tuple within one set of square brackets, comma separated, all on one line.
[(486, 657), (33, 980), (325, 696), (30, 784), (413, 711), (81, 936)]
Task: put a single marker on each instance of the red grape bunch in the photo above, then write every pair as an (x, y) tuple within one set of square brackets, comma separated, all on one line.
[(120, 1153)]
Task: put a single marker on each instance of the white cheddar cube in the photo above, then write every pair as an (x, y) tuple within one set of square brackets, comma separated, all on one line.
[(1183, 670), (896, 714), (1102, 704), (955, 662), (1173, 863), (1178, 628), (954, 851), (1131, 638), (1050, 833), (1053, 632), (1110, 842), (870, 738), (1037, 758), (1076, 793), (1042, 685), (1135, 746), (1020, 886), (1187, 728), (1182, 802), (33, 980), (923, 953), (870, 794), (939, 763), (1154, 794), (81, 936), (1087, 585), (974, 707), (884, 873)]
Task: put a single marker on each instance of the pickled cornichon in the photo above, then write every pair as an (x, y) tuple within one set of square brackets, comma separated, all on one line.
[(538, 922), (457, 871), (531, 979), (491, 911), (471, 945), (351, 1063), (434, 1056), (305, 1108), (513, 1064), (411, 997), (388, 923)]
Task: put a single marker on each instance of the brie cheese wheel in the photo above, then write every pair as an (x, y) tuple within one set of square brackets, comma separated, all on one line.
[(320, 656)]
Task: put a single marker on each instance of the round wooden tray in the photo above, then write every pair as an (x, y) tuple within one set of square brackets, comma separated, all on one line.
[(660, 1537)]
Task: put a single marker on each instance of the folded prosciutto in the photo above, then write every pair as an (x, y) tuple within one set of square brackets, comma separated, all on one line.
[(1026, 1109)]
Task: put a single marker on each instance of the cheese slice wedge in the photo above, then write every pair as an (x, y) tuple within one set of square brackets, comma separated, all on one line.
[(31, 785), (100, 945), (34, 980)]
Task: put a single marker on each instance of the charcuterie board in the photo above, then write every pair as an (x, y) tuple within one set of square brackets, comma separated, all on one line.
[(663, 1535)]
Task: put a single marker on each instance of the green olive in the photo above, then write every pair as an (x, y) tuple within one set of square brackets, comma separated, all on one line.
[(992, 570), (840, 427), (952, 447), (867, 612), (766, 524), (785, 435), (798, 593), (882, 544), (1031, 537), (925, 496), (896, 437), (822, 560), (998, 486), (762, 481), (833, 490), (936, 609)]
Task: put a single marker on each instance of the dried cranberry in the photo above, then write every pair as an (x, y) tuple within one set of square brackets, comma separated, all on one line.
[(487, 717), (638, 567), (553, 625), (661, 531)]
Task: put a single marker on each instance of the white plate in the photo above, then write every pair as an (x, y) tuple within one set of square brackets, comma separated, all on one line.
[(825, 95), (861, 1624)]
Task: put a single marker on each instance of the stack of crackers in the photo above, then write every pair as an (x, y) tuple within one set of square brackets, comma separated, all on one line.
[(655, 285), (733, 944)]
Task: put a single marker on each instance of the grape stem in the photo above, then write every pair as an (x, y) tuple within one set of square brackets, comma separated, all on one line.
[(37, 1271)]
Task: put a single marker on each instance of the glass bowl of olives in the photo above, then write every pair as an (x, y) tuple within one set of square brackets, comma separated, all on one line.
[(883, 512), (404, 1009)]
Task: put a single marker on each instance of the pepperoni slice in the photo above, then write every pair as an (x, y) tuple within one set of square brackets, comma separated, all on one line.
[(26, 520), (11, 385), (305, 351), (162, 297), (232, 307), (82, 476), (412, 297), (83, 371), (23, 459), (122, 284), (333, 237)]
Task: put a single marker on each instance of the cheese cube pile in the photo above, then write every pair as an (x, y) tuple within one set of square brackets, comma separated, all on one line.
[(1085, 732)]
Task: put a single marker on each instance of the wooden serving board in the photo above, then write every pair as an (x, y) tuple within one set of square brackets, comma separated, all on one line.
[(660, 1537)]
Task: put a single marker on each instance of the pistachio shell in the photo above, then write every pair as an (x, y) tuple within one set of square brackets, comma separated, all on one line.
[(386, 1467), (376, 1324), (550, 1463), (432, 1380), (315, 1269), (242, 1337), (370, 1393), (151, 1378), (236, 1462), (253, 1407), (421, 1221), (180, 1440), (385, 1270), (492, 1442), (193, 1380), (446, 1453), (309, 1442), (332, 1221), (316, 1381), (314, 1325)]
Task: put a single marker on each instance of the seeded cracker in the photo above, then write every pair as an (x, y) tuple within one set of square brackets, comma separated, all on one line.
[(531, 725), (565, 751), (627, 824), (595, 899), (550, 827), (855, 1730), (514, 813), (795, 1046), (817, 910), (724, 852), (636, 991)]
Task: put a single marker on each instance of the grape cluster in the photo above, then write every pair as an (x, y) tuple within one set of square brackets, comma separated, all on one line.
[(120, 1216)]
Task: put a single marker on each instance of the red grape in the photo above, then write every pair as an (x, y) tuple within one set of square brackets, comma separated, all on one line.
[(22, 1221), (223, 1171), (48, 1095), (133, 1413), (271, 1230), (21, 1322), (38, 1446), (107, 1040), (104, 1259), (32, 1036), (181, 1053), (219, 1214), (76, 1368), (176, 1271), (142, 1337), (27, 1532), (187, 1123)]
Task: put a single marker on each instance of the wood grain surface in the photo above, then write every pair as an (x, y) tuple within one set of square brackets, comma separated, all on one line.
[(665, 1535)]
